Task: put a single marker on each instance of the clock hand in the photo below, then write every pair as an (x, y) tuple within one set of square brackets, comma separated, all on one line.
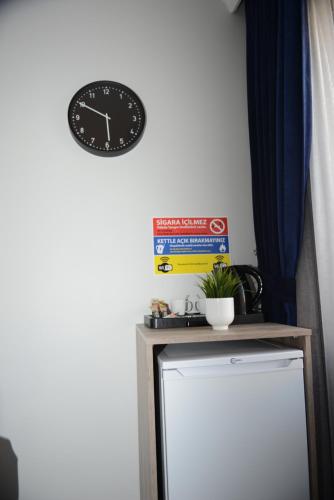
[(107, 120), (83, 105)]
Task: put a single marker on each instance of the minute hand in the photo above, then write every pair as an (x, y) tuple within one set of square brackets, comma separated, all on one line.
[(94, 110)]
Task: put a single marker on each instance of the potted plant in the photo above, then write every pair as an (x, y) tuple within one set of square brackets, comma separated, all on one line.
[(219, 287)]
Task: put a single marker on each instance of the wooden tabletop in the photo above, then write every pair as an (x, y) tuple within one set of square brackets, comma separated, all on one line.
[(206, 334)]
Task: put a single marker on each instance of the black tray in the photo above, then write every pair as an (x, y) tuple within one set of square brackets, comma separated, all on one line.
[(196, 320)]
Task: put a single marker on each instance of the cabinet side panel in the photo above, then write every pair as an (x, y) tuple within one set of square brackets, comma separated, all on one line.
[(146, 421), (304, 343)]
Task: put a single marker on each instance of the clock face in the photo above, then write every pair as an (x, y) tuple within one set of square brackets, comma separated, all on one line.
[(106, 118)]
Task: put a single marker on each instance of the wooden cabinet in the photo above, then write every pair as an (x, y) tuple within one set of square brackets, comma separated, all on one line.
[(149, 341)]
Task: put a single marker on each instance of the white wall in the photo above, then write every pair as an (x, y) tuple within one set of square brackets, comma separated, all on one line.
[(76, 250)]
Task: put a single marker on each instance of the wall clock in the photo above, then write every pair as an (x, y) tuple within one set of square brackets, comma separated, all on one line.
[(106, 118)]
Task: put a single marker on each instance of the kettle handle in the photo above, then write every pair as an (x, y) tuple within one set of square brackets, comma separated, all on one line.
[(258, 278), (252, 271)]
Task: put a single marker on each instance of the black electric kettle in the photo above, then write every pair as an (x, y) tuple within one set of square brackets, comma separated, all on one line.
[(248, 296)]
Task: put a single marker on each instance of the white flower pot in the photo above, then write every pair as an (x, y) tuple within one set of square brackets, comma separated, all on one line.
[(219, 312)]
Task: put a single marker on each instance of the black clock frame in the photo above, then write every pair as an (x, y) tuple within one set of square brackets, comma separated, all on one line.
[(120, 89)]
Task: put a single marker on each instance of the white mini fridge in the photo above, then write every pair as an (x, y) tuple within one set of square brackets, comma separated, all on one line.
[(233, 423)]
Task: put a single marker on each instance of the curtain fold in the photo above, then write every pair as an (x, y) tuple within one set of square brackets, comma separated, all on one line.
[(309, 316), (321, 22), (279, 110)]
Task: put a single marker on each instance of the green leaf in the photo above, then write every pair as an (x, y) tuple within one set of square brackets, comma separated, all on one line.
[(220, 283)]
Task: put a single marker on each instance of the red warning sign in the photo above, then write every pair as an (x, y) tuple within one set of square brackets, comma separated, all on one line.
[(207, 226)]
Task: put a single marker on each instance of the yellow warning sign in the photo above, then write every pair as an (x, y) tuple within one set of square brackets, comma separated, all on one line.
[(189, 264)]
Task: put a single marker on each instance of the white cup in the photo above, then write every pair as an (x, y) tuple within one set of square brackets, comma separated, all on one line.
[(194, 305), (178, 306)]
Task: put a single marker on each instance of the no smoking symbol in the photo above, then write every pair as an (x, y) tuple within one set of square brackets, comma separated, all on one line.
[(217, 226)]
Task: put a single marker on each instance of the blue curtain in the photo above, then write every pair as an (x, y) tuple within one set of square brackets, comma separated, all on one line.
[(279, 109)]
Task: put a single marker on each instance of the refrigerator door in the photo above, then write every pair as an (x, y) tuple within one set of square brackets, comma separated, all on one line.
[(235, 432)]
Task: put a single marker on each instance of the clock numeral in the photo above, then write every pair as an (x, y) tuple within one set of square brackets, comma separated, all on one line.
[(134, 118), (121, 95), (82, 130), (106, 91), (82, 104), (130, 105), (92, 95), (132, 131), (92, 140), (77, 117), (107, 145), (121, 141)]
